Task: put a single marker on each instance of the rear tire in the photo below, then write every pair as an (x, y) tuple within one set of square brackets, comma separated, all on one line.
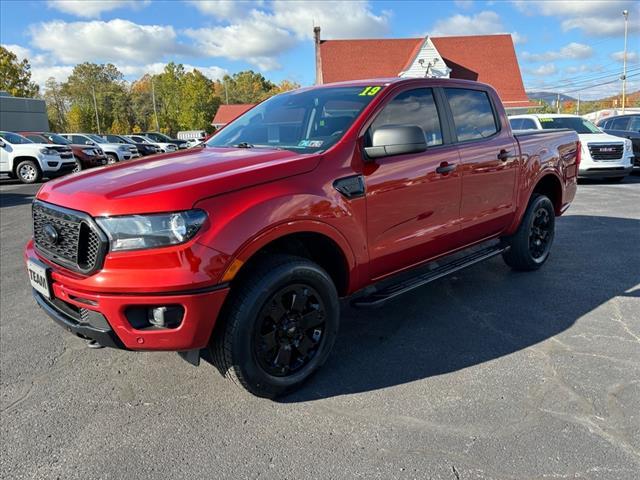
[(531, 244), (28, 172), (278, 326)]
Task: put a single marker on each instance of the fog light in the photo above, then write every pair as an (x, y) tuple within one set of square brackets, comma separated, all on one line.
[(165, 317)]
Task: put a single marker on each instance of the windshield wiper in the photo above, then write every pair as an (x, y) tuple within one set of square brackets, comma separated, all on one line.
[(243, 145)]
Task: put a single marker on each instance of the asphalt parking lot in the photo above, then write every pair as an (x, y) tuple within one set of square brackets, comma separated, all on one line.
[(488, 374)]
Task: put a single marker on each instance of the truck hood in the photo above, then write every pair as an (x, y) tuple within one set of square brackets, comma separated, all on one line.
[(599, 138), (173, 181)]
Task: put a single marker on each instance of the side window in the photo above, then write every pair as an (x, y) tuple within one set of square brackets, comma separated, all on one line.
[(413, 107), (634, 124), (528, 124), (78, 139), (516, 123), (472, 113), (605, 124), (619, 123)]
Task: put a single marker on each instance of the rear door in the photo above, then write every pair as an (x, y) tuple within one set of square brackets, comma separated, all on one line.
[(412, 210), (489, 163)]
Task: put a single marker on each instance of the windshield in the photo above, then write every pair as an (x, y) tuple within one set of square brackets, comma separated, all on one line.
[(158, 137), (580, 125), (14, 138), (115, 139), (304, 120), (55, 138), (96, 138)]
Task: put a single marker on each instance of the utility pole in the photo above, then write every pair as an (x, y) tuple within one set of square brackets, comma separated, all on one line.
[(625, 13), (226, 92), (95, 106), (558, 104), (578, 105), (155, 111)]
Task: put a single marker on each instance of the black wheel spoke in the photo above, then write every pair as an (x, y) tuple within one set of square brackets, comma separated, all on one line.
[(269, 341), (311, 319), (299, 299), (283, 357), (305, 345)]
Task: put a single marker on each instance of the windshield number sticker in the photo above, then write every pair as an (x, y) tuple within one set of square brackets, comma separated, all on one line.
[(369, 91), (546, 119)]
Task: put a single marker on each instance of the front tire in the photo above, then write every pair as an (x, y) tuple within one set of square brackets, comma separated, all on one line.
[(28, 172), (531, 244), (279, 328), (111, 159), (78, 167)]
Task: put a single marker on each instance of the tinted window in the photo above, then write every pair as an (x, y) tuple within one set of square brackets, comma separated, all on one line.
[(413, 107), (634, 125), (472, 113), (580, 125), (80, 140), (14, 138), (37, 138), (528, 124), (621, 123), (55, 138), (516, 123)]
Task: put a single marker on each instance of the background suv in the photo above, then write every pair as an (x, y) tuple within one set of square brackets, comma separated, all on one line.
[(626, 126), (85, 157), (162, 138), (143, 148), (28, 161), (163, 146), (116, 152)]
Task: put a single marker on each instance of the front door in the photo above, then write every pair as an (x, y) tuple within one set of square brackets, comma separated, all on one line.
[(412, 210), (489, 163)]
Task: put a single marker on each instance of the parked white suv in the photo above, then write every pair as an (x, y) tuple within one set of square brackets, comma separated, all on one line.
[(163, 146), (603, 155), (28, 161), (116, 152)]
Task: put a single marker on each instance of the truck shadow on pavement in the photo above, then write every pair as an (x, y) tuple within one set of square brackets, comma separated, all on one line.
[(482, 313)]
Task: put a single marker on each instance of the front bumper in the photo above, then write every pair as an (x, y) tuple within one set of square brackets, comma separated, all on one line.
[(109, 318), (61, 170), (604, 172)]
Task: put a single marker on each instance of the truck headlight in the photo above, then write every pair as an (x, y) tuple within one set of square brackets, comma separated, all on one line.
[(48, 151), (628, 146), (132, 232), (123, 148)]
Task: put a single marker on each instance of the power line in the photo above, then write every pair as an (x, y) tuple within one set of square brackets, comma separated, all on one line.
[(587, 79), (600, 84)]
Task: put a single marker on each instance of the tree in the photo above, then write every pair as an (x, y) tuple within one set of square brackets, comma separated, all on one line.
[(199, 102), (168, 88), (15, 76), (56, 105), (243, 87)]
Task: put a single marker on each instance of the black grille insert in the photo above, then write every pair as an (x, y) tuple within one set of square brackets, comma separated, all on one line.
[(68, 237), (610, 151)]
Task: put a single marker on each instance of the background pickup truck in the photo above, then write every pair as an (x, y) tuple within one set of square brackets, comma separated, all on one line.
[(244, 245)]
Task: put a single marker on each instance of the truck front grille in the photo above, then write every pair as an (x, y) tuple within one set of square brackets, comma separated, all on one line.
[(68, 237), (610, 151)]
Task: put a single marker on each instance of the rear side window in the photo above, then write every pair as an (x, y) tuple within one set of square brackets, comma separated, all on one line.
[(621, 123), (634, 124), (413, 107), (472, 113)]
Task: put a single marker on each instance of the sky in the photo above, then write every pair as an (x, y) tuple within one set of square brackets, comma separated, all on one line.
[(573, 47)]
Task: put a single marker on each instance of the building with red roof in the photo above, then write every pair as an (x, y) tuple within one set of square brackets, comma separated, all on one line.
[(228, 113), (485, 58)]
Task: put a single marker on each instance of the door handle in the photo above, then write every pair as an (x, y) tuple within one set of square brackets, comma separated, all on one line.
[(503, 155), (445, 168)]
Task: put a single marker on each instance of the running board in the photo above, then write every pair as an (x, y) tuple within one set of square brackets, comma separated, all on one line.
[(387, 293)]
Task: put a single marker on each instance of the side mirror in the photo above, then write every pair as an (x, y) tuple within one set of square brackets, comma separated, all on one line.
[(2, 144), (396, 140)]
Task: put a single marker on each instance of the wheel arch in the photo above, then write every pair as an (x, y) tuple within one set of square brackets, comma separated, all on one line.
[(312, 240), (22, 158), (550, 186)]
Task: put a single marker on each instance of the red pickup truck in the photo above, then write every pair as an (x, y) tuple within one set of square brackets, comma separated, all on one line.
[(246, 245)]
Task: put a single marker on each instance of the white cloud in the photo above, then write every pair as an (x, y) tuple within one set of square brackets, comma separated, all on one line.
[(222, 9), (600, 18), (632, 57), (113, 41), (94, 8), (572, 51), (543, 70), (212, 72), (484, 23), (585, 67), (256, 40), (337, 19)]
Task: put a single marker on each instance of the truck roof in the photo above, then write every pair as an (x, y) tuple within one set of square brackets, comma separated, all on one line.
[(545, 115), (397, 80)]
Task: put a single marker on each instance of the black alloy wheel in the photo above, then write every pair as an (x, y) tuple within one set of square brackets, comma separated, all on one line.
[(540, 233), (290, 330)]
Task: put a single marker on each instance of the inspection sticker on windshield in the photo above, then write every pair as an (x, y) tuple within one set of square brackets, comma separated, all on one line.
[(369, 91)]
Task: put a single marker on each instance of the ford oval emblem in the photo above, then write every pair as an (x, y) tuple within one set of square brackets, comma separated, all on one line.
[(50, 234)]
